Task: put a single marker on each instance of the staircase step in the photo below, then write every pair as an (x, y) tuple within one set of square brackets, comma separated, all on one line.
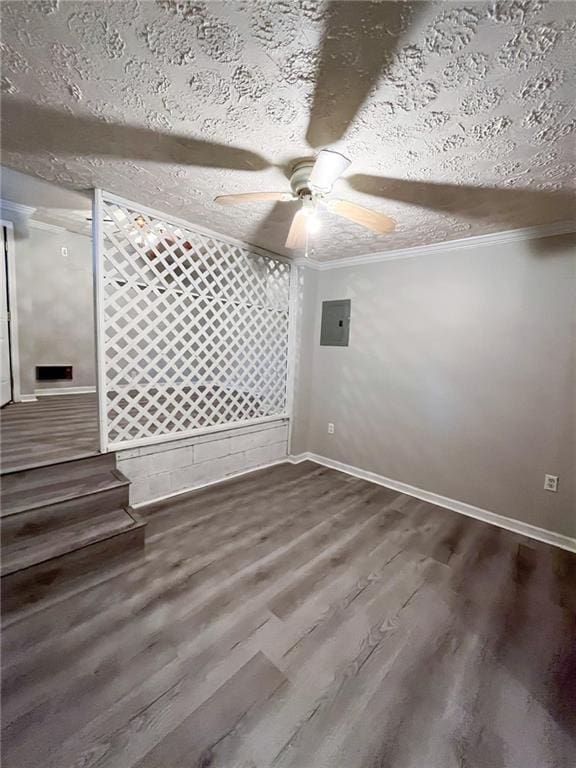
[(92, 557), (54, 517), (62, 523), (47, 474), (28, 458), (18, 497), (42, 548)]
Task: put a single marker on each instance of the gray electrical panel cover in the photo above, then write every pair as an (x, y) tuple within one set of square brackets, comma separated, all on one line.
[(335, 329)]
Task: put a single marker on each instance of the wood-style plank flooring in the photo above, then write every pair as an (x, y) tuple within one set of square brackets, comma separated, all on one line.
[(55, 428), (301, 618)]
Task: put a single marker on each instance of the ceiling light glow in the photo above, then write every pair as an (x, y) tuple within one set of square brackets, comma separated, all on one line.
[(312, 224)]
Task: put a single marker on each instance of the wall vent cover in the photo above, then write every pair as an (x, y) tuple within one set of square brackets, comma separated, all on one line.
[(53, 373)]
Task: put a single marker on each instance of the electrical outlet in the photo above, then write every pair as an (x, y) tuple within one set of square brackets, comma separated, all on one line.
[(330, 428), (551, 483), (64, 251)]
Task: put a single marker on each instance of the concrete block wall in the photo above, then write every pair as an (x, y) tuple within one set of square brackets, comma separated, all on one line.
[(161, 470)]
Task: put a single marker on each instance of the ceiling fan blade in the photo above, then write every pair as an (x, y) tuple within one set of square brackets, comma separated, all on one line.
[(297, 235), (328, 167), (274, 221), (358, 41), (377, 222), (512, 205), (253, 197), (36, 129)]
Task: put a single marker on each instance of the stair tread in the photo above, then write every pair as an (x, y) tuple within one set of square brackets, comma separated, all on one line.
[(44, 474), (19, 497), (38, 549), (28, 461)]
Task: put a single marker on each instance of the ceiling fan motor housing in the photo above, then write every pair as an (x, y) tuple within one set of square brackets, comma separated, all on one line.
[(300, 179)]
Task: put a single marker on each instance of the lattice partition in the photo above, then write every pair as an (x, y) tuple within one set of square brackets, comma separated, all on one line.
[(193, 330)]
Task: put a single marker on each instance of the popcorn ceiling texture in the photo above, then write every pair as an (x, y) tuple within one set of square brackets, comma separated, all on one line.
[(478, 93)]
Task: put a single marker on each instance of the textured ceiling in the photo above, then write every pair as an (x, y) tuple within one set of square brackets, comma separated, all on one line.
[(171, 103)]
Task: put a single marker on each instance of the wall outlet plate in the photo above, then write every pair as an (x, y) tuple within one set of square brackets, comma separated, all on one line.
[(551, 483), (330, 428)]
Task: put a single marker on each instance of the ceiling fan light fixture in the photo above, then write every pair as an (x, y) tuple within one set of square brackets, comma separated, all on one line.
[(311, 182), (313, 224), (310, 212)]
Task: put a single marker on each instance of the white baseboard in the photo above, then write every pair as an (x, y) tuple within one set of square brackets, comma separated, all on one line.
[(247, 471), (517, 526), (27, 399), (64, 391)]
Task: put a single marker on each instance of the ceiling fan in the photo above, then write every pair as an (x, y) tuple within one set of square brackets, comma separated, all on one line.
[(372, 31), (311, 182)]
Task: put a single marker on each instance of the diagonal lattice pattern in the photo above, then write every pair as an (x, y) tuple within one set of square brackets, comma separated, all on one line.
[(195, 330)]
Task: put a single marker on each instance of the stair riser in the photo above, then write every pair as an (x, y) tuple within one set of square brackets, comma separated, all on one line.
[(39, 476), (25, 589), (52, 517)]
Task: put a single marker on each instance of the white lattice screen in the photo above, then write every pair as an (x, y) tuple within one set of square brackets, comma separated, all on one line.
[(193, 330)]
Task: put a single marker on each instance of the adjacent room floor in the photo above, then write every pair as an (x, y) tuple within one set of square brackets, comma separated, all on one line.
[(300, 617), (52, 429)]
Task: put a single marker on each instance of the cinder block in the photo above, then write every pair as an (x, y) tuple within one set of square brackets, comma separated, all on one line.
[(139, 493), (174, 459), (212, 450), (229, 465), (277, 435), (135, 468), (206, 472), (264, 454), (265, 436), (159, 485), (182, 466), (191, 477)]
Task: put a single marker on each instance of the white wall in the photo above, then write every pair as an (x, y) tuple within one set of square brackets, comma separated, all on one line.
[(55, 307), (459, 378)]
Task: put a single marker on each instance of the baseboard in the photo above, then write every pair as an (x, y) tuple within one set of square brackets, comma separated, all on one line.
[(28, 399), (247, 471), (510, 524), (64, 391)]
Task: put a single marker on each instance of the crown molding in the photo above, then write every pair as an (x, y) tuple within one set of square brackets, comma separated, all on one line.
[(476, 241), (35, 224), (7, 206)]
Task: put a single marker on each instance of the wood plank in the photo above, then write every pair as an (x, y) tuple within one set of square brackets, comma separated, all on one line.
[(404, 635), (55, 428), (194, 740)]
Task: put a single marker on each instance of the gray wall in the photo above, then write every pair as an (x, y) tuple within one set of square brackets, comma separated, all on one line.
[(459, 378), (304, 363), (55, 307)]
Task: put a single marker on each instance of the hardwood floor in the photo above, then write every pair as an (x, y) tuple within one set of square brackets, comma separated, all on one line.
[(55, 428), (301, 618)]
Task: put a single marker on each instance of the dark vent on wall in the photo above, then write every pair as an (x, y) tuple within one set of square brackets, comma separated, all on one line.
[(53, 373)]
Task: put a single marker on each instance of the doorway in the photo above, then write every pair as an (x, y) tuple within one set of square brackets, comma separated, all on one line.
[(46, 312), (6, 369)]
